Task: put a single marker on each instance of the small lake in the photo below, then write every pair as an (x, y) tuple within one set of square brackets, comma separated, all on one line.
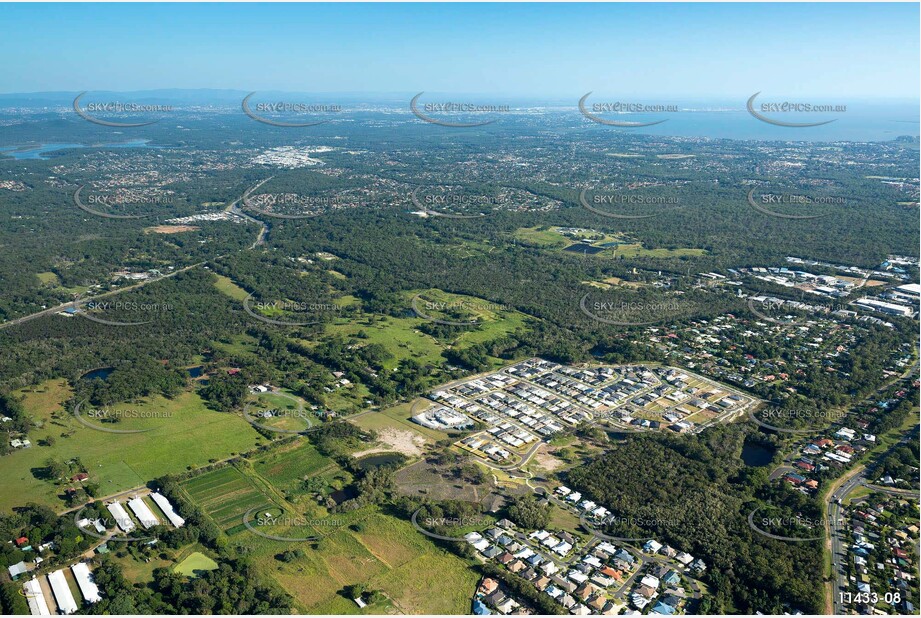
[(382, 459), (344, 494), (35, 153), (195, 372), (757, 455), (102, 373)]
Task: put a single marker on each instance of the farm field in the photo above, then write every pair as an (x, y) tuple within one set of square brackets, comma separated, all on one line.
[(225, 495), (182, 432), (285, 468)]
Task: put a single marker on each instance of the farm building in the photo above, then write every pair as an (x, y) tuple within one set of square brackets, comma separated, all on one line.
[(88, 587), (62, 594), (143, 512), (167, 509), (122, 520)]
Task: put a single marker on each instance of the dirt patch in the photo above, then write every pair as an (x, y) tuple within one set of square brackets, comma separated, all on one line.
[(548, 462), (399, 440), (171, 229)]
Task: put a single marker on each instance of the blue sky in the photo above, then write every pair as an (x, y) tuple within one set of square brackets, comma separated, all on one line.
[(701, 51)]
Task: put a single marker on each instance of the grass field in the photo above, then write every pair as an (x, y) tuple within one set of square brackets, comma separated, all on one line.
[(381, 551), (194, 564), (231, 289), (183, 433)]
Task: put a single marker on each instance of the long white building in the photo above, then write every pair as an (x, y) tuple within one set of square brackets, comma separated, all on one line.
[(32, 590), (122, 519), (62, 595), (143, 512), (167, 508), (84, 577)]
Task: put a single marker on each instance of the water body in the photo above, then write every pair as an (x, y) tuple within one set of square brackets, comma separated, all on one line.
[(855, 125), (757, 455), (344, 494), (35, 153), (195, 372), (102, 373), (382, 459)]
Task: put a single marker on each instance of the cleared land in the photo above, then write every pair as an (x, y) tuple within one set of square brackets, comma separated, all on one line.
[(183, 433)]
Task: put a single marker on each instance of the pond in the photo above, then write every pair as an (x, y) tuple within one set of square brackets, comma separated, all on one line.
[(757, 455), (344, 494), (195, 372), (102, 373), (381, 459)]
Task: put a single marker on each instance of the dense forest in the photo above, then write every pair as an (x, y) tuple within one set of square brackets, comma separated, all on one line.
[(694, 492)]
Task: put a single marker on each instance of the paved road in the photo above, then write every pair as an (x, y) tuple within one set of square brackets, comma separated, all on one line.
[(88, 299), (233, 207), (836, 528)]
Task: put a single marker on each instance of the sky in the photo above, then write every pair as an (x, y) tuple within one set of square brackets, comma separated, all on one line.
[(694, 51)]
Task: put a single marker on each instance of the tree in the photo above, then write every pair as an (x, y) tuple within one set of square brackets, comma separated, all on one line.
[(529, 512)]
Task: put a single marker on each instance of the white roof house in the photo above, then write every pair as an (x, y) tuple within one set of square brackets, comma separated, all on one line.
[(88, 587), (650, 580), (18, 569), (62, 595), (167, 508), (32, 590), (143, 513), (122, 520)]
